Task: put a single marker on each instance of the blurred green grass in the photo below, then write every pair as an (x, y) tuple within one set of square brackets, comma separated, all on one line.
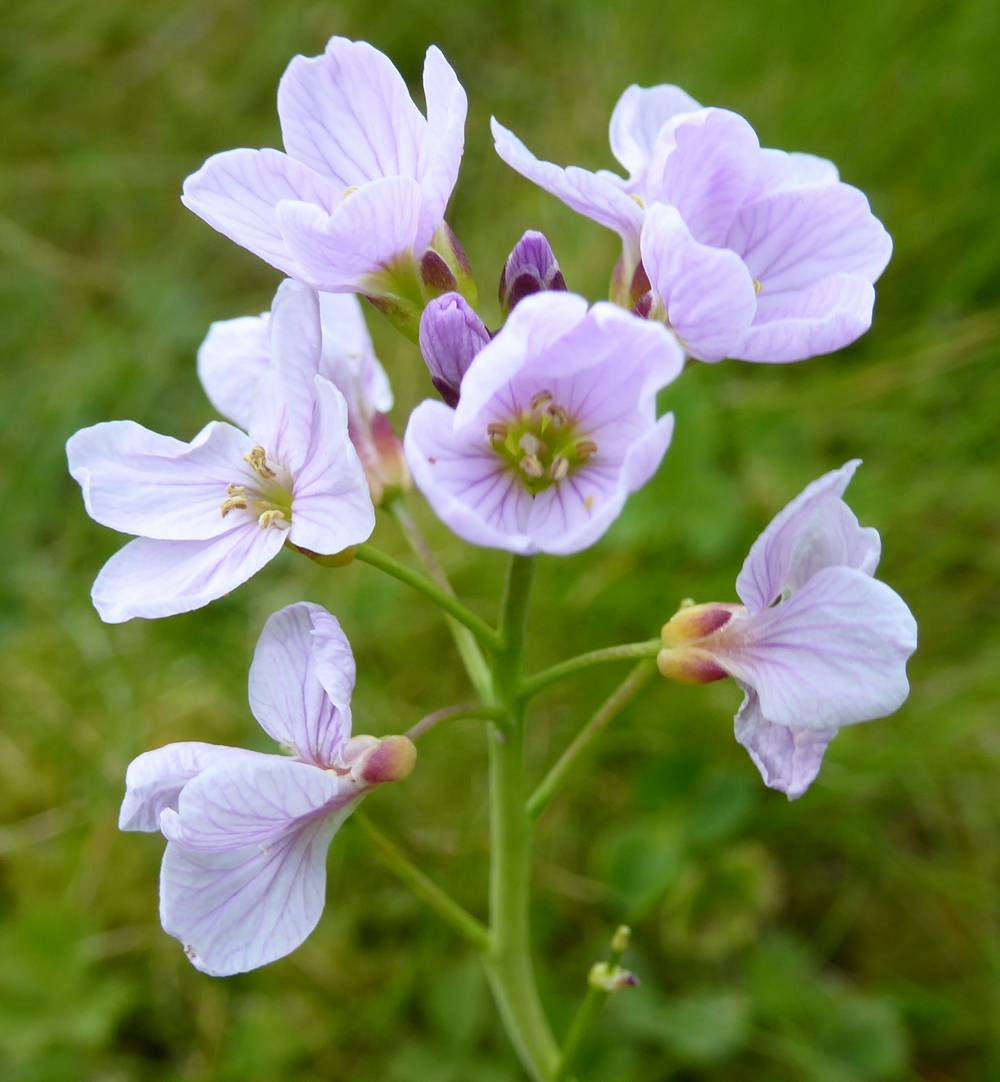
[(847, 937)]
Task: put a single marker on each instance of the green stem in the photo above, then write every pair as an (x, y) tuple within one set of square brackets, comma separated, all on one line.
[(452, 713), (442, 903), (615, 702), (534, 684), (465, 642), (369, 554), (508, 964)]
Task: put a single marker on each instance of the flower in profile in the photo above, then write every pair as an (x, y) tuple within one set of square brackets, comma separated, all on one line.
[(555, 426), (235, 357), (817, 644), (244, 874), (364, 181), (531, 267), (451, 334), (751, 253), (210, 513)]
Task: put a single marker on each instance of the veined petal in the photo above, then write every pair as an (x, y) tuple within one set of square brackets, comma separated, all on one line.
[(370, 230), (237, 193), (825, 317), (243, 880), (151, 579), (349, 360), (447, 106), (788, 758), (783, 170), (816, 530), (598, 196), (707, 292), (155, 779), (347, 114), (833, 654), (638, 118), (704, 164), (331, 504), (793, 239), (301, 681), (140, 482), (231, 361)]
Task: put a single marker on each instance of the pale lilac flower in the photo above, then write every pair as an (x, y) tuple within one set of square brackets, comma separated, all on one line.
[(244, 874), (235, 357), (211, 513), (555, 427), (365, 179), (817, 644), (751, 253), (531, 267), (451, 334)]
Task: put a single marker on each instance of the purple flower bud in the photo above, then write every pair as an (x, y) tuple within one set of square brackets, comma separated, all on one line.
[(530, 268), (451, 334), (435, 273)]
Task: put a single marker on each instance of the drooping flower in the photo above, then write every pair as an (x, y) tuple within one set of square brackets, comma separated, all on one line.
[(531, 267), (210, 513), (451, 334), (235, 357), (244, 874), (364, 181), (555, 427), (751, 253), (817, 644)]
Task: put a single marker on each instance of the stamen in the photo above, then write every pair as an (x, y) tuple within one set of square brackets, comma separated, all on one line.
[(559, 467), (272, 517), (258, 460), (235, 490), (758, 285), (532, 466), (233, 503), (586, 449), (541, 401), (558, 414), (496, 430)]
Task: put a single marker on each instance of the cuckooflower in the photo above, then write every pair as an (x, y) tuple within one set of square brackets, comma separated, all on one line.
[(235, 358), (751, 253), (817, 644), (556, 425), (244, 874), (364, 182), (211, 513), (451, 334)]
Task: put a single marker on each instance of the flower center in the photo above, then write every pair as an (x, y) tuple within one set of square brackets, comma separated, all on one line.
[(269, 498), (542, 445)]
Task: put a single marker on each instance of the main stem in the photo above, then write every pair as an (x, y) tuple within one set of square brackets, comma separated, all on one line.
[(508, 963)]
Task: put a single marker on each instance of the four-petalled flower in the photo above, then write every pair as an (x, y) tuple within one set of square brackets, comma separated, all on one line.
[(211, 513), (817, 644), (243, 880)]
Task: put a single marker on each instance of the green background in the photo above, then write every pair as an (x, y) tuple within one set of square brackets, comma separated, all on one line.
[(849, 936)]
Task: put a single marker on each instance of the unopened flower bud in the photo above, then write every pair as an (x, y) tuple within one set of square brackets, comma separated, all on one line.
[(620, 940), (688, 638), (448, 249), (611, 978), (374, 761), (435, 274), (530, 268), (381, 454), (451, 334)]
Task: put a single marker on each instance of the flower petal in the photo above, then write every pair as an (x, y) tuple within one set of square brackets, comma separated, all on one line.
[(237, 193), (782, 170), (788, 758), (231, 361), (833, 654), (793, 239), (366, 234), (447, 106), (301, 681), (816, 530), (155, 779), (638, 118), (704, 164), (349, 360), (151, 579), (708, 292), (598, 196), (331, 503), (348, 115), (825, 317), (140, 482), (243, 880)]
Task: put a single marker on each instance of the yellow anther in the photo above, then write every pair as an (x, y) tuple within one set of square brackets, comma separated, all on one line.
[(233, 503), (558, 414), (236, 490), (272, 517), (589, 503), (541, 401), (559, 467), (639, 200), (258, 460), (586, 449), (757, 286), (532, 466), (496, 430)]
